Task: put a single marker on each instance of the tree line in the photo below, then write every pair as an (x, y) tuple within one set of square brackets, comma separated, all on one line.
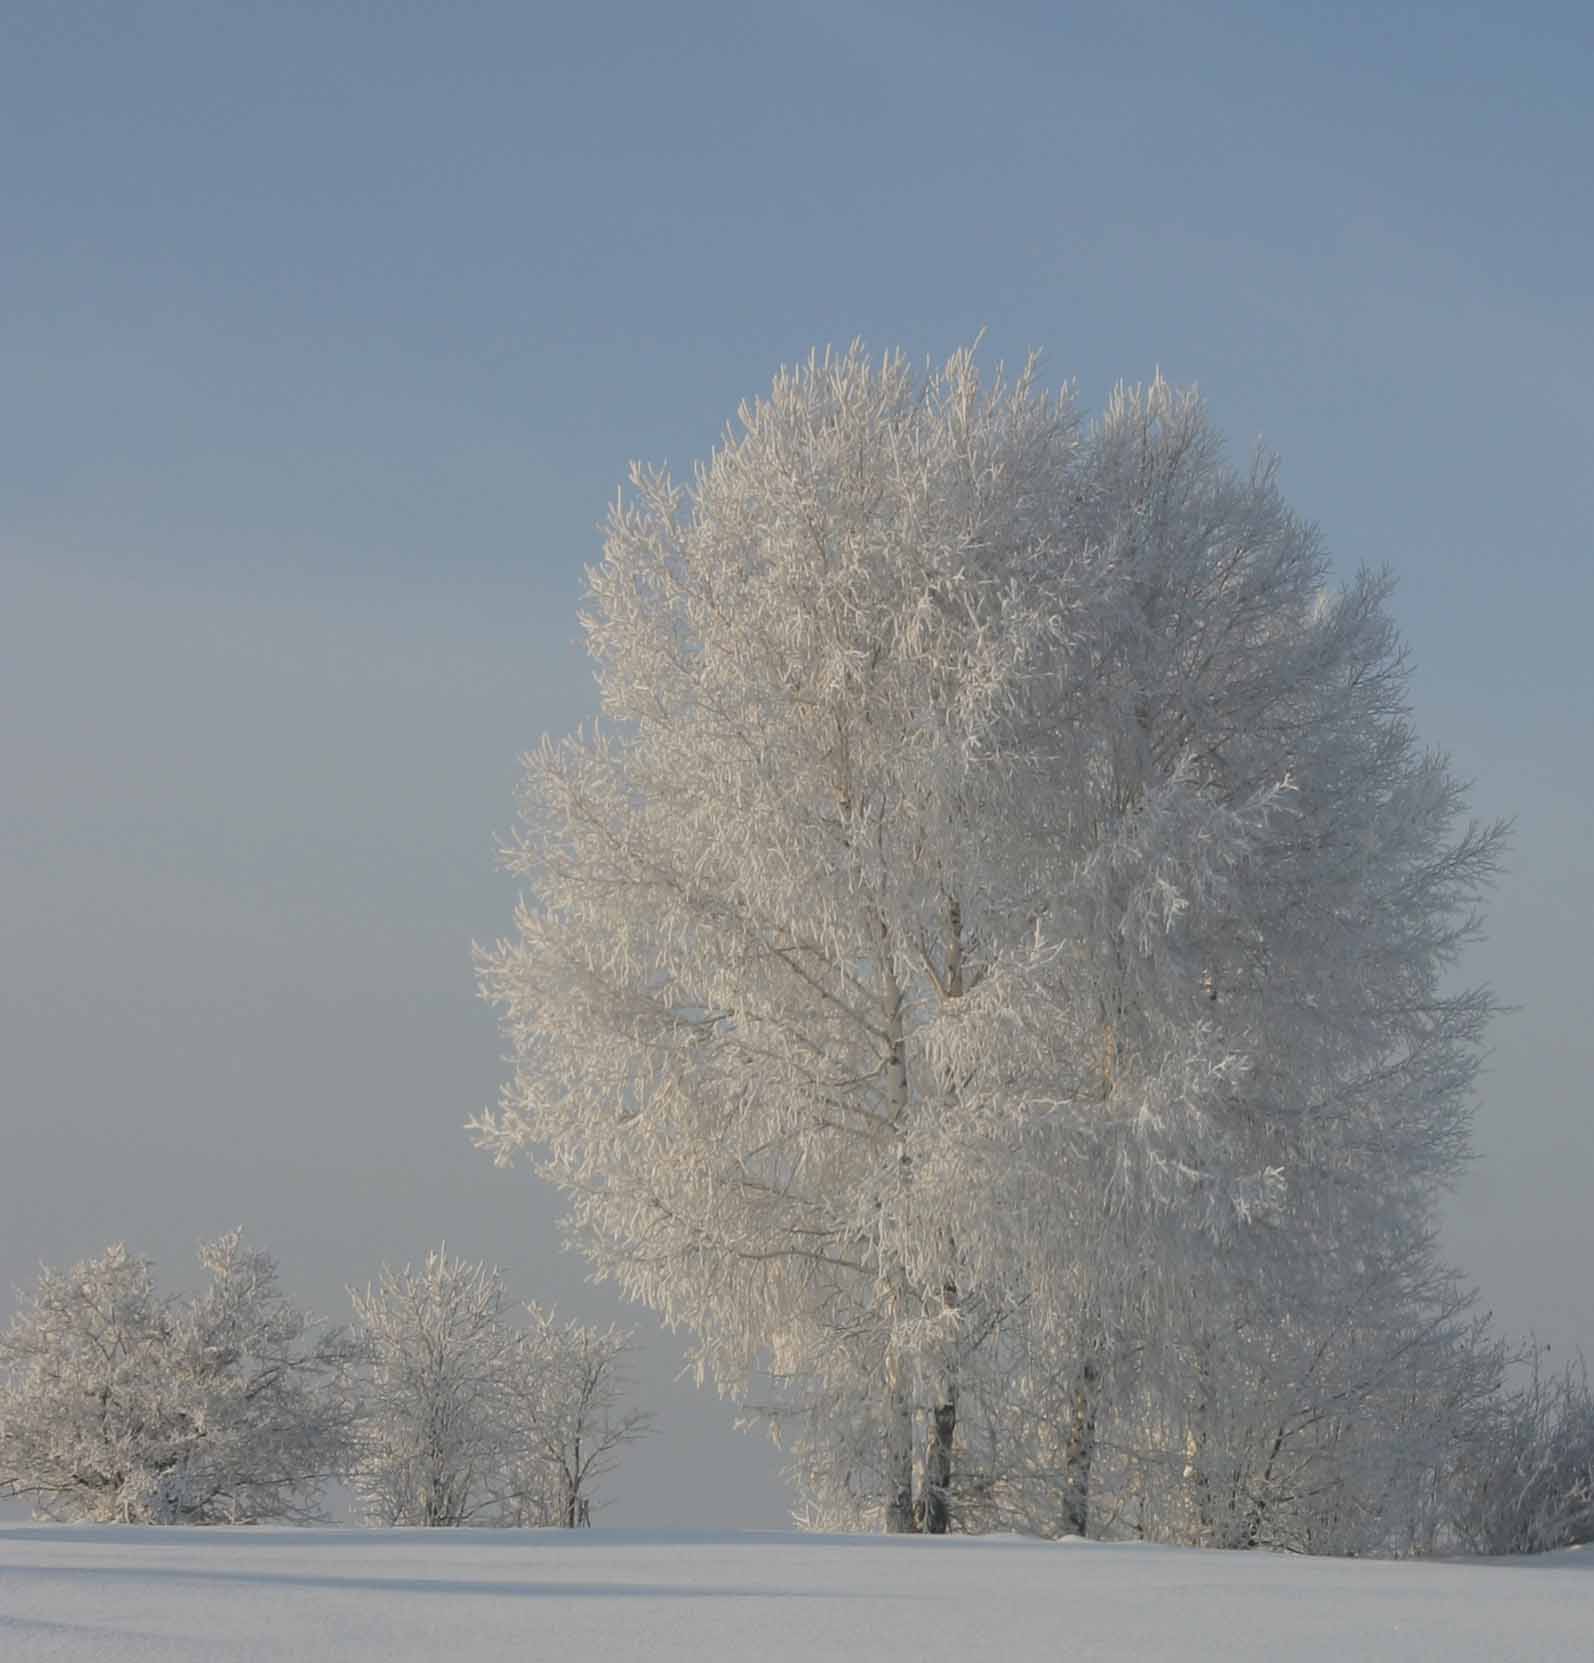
[(437, 1405)]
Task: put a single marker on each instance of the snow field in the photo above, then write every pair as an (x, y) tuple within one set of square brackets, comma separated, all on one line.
[(107, 1594)]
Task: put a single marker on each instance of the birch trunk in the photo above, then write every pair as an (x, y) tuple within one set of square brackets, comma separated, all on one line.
[(1080, 1452), (899, 1401), (937, 1508), (899, 1453), (1198, 1481), (938, 1457)]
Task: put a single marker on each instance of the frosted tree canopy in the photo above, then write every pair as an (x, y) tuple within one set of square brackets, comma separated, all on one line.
[(1003, 903)]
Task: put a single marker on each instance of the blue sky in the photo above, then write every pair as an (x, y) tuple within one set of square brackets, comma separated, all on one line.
[(328, 334)]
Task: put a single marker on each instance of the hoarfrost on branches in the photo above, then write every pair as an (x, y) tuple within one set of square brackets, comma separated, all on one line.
[(120, 1405), (470, 1418), (568, 1424), (1005, 888), (1526, 1485), (437, 1354)]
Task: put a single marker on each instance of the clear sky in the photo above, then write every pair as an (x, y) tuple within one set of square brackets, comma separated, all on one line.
[(328, 332)]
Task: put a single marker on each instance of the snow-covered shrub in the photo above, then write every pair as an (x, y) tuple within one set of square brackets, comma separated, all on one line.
[(1526, 1483), (120, 1405)]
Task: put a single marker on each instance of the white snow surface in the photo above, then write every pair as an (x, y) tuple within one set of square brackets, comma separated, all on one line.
[(101, 1593)]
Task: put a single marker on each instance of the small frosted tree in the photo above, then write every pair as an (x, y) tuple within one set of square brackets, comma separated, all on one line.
[(85, 1374), (568, 1420), (438, 1355), (120, 1405), (1008, 872), (468, 1417)]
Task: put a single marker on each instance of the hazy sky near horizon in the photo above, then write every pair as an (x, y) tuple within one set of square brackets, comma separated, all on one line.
[(329, 332)]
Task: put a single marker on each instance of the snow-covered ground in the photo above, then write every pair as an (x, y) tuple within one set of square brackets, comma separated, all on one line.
[(94, 1594)]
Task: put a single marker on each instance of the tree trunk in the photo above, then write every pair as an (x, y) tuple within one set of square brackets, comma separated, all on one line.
[(899, 1404), (899, 1453), (1197, 1477), (1197, 1486), (573, 1490), (938, 1468), (937, 1508), (1081, 1450), (936, 1512)]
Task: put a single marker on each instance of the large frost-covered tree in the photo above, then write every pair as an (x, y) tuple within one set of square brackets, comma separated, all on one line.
[(1006, 870), (121, 1405)]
